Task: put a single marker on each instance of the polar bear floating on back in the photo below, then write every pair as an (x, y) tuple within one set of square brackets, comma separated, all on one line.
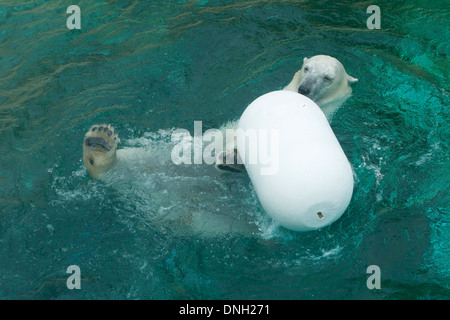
[(324, 80)]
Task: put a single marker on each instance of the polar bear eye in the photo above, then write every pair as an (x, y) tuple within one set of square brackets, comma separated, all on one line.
[(327, 78), (306, 69)]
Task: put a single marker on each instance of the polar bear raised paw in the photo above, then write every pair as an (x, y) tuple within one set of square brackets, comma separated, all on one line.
[(99, 149)]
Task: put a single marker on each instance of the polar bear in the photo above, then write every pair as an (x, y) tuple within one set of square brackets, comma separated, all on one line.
[(152, 173), (185, 199), (321, 78)]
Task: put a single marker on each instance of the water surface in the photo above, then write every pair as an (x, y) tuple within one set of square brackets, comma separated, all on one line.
[(149, 67)]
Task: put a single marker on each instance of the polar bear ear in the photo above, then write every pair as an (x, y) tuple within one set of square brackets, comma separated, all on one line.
[(305, 59), (350, 79)]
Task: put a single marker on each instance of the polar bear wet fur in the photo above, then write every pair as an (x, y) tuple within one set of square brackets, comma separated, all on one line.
[(324, 80), (321, 78)]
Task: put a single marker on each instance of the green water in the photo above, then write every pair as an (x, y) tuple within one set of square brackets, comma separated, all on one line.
[(148, 67)]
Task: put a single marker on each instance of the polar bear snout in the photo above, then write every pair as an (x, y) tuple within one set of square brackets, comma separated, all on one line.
[(304, 90), (101, 143), (312, 86)]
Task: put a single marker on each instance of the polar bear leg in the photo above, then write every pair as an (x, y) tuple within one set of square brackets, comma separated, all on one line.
[(99, 149)]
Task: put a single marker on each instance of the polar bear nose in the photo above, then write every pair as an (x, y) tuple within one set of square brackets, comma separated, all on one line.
[(303, 90)]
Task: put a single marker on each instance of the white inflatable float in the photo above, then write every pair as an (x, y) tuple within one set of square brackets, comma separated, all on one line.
[(297, 166)]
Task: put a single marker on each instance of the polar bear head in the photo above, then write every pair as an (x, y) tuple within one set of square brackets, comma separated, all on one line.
[(323, 79)]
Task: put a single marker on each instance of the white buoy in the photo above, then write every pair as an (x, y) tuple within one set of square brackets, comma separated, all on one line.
[(297, 166)]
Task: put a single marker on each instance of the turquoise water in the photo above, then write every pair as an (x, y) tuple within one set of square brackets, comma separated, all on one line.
[(148, 67)]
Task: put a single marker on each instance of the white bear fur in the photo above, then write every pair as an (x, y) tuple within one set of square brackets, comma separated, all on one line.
[(326, 81)]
